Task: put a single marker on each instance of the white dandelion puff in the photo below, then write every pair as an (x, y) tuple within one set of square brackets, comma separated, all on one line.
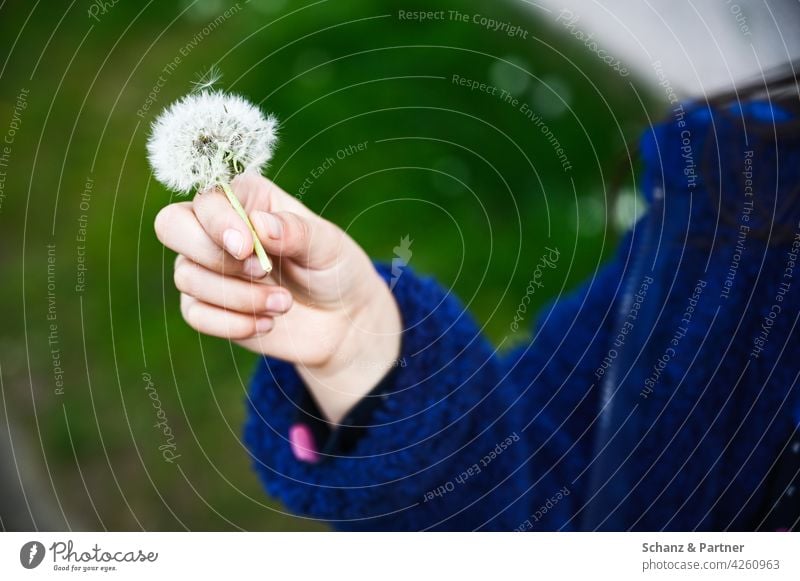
[(207, 138)]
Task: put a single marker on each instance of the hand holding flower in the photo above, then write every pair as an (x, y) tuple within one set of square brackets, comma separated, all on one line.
[(323, 307)]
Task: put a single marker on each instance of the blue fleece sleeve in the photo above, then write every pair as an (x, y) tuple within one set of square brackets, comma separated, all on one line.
[(451, 446)]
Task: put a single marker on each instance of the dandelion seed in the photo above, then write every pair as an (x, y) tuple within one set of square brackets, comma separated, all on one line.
[(207, 80), (207, 138)]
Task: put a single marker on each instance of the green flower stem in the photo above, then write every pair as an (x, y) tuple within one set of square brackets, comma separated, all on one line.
[(266, 264)]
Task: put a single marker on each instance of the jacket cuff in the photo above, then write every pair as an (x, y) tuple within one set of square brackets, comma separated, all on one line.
[(315, 439), (398, 444)]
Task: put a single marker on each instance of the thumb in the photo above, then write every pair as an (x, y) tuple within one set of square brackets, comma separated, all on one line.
[(308, 240)]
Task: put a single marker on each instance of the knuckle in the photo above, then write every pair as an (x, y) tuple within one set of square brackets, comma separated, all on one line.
[(304, 230), (299, 230), (198, 318), (162, 222), (241, 330), (259, 300), (182, 276), (188, 311)]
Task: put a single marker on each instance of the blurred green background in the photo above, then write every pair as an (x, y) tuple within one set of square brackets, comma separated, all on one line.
[(475, 183)]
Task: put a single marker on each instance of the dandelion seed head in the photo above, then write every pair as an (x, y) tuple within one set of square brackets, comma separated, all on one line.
[(207, 138)]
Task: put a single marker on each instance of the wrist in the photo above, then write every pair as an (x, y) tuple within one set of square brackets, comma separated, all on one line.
[(367, 352)]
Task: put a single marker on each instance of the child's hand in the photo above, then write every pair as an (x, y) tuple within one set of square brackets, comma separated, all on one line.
[(323, 307)]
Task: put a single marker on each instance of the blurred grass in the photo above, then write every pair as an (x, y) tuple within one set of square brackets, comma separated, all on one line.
[(474, 183)]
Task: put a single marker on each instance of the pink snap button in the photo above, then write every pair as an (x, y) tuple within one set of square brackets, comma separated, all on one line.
[(302, 442)]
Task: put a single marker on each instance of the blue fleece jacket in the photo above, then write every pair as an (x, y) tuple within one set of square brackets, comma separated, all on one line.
[(660, 395)]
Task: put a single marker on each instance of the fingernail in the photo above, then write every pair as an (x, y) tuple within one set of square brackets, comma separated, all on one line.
[(264, 325), (278, 302), (271, 224), (252, 267), (233, 242), (302, 443)]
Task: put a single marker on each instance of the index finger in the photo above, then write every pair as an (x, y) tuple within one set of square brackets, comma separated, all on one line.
[(222, 223)]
